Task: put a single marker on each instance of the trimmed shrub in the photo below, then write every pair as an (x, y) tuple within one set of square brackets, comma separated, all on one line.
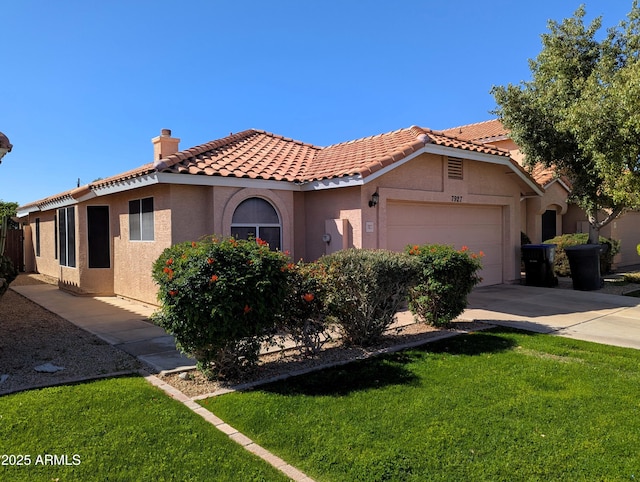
[(561, 262), (304, 315), (221, 298), (8, 273), (446, 277), (366, 290)]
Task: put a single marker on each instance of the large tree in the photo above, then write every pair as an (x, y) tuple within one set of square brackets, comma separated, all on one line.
[(580, 113)]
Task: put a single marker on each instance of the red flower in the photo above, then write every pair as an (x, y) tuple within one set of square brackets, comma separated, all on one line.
[(211, 260), (481, 254), (261, 242), (308, 297), (173, 292), (247, 309), (214, 278), (169, 261), (464, 249), (169, 272), (193, 244)]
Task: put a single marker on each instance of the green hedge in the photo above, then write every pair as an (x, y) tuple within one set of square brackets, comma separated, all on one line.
[(561, 262), (366, 290), (223, 298), (445, 279)]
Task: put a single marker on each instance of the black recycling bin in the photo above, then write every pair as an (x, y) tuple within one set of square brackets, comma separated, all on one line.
[(584, 262), (538, 264)]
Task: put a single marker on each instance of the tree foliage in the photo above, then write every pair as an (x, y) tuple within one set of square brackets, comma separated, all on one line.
[(8, 208), (580, 113)]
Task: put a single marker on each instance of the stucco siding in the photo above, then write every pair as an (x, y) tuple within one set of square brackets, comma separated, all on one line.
[(133, 259), (191, 212), (46, 261), (483, 185), (329, 204)]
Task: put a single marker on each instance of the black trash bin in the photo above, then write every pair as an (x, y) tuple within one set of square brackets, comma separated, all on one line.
[(538, 264), (584, 262)]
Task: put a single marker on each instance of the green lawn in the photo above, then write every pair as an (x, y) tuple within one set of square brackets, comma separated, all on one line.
[(121, 429), (498, 405)]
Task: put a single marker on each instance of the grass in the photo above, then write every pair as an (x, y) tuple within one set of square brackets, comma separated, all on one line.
[(498, 405), (121, 429), (632, 277)]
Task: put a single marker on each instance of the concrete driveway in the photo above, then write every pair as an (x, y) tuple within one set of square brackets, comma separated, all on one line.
[(583, 315)]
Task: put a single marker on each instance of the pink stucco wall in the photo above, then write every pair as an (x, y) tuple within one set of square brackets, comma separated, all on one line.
[(187, 212), (181, 213)]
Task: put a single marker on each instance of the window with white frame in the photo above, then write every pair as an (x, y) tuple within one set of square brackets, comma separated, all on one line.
[(257, 218), (67, 236), (141, 219)]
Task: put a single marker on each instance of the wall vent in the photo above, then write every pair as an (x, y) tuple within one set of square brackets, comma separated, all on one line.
[(454, 168)]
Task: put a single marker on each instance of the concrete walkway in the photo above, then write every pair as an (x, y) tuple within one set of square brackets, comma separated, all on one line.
[(583, 315), (122, 323)]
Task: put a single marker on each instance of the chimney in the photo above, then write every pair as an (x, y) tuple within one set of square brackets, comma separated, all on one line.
[(164, 145)]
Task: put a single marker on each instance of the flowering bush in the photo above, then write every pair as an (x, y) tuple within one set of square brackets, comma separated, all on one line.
[(221, 298), (304, 316), (446, 277), (366, 290)]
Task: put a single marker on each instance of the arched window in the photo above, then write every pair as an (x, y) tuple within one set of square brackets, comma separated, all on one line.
[(256, 218)]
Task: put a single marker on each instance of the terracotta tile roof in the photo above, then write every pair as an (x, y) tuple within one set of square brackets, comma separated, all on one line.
[(493, 130), (480, 132), (253, 153), (545, 175), (370, 154), (257, 154)]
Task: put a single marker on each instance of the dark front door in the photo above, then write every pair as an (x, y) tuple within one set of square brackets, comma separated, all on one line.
[(548, 225)]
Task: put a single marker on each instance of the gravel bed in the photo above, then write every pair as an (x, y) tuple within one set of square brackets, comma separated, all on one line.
[(276, 366), (33, 336)]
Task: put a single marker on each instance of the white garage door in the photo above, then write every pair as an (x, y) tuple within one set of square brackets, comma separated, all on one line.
[(478, 227)]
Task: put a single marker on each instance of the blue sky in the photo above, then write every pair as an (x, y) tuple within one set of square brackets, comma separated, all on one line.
[(86, 85)]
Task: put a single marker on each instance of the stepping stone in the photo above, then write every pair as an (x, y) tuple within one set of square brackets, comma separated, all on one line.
[(48, 368)]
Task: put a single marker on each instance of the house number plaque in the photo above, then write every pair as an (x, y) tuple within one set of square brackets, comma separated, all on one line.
[(456, 199)]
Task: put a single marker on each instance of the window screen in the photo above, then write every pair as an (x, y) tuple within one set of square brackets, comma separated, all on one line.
[(141, 219), (67, 236), (98, 236)]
